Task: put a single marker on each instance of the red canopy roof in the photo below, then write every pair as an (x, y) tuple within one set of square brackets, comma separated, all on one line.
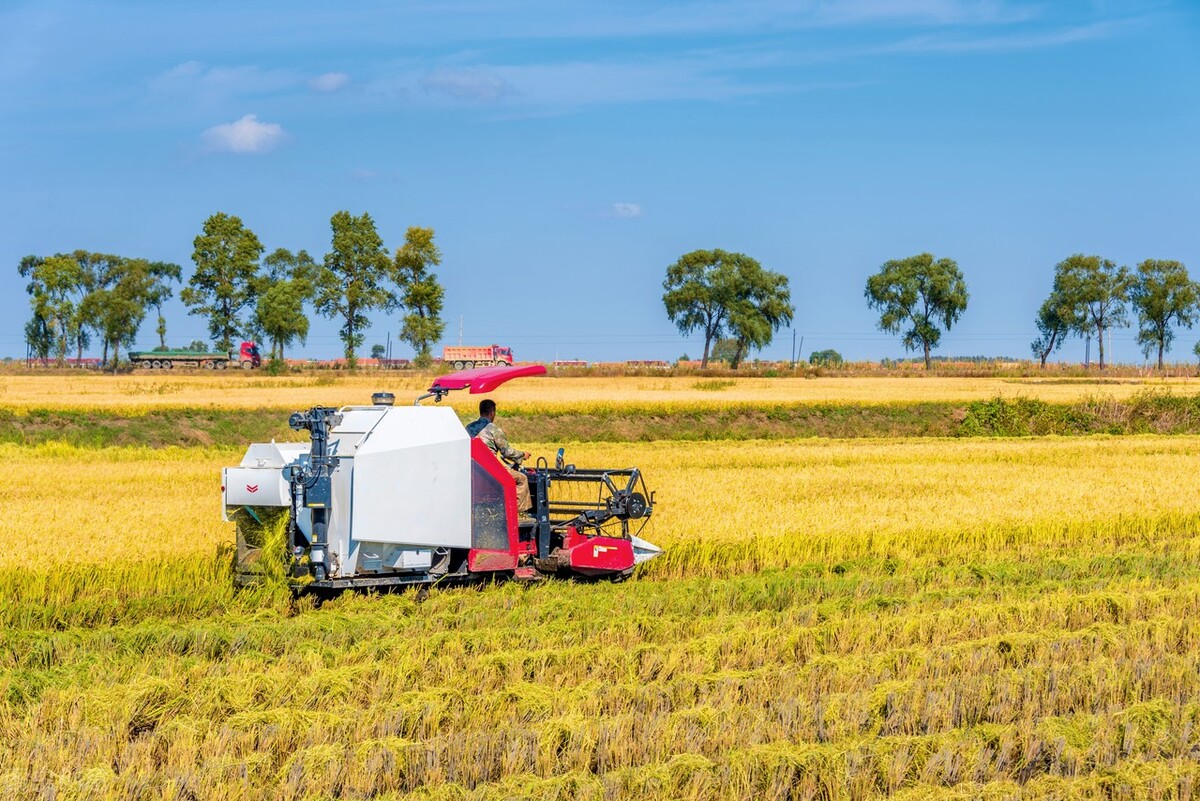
[(484, 379)]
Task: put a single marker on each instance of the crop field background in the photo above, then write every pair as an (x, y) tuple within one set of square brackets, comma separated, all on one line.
[(908, 617), (141, 391)]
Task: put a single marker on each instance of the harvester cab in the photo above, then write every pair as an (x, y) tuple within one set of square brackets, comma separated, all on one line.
[(401, 495)]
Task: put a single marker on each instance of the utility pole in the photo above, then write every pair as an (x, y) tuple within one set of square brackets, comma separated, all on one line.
[(793, 348), (460, 322), (1087, 352)]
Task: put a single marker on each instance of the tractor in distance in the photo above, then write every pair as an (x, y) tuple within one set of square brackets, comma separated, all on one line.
[(387, 495)]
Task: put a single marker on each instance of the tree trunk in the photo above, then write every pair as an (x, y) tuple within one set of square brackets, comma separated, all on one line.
[(1100, 337), (104, 359), (1043, 364), (704, 358), (116, 355), (1160, 354), (928, 364)]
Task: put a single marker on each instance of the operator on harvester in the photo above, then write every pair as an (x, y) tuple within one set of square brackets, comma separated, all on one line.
[(492, 435)]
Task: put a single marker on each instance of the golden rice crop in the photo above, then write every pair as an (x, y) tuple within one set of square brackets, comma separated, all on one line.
[(723, 507), (1078, 683), (142, 391), (908, 618)]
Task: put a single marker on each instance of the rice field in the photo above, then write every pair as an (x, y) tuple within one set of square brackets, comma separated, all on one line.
[(141, 391), (833, 619)]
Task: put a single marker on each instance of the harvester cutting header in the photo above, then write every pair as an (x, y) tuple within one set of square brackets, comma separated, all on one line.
[(402, 495)]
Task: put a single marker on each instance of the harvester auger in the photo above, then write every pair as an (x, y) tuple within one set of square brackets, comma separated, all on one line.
[(386, 495)]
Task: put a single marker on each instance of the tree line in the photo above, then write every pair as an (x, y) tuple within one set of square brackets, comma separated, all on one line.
[(921, 297), (240, 293)]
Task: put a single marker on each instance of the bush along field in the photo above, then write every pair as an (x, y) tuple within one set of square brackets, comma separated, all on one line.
[(991, 617)]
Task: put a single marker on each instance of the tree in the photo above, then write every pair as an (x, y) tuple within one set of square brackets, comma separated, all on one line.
[(1094, 293), (421, 294), (226, 279), (699, 290), (353, 280), (378, 351), (918, 296), (280, 314), (1053, 323), (57, 287), (763, 304), (198, 345), (724, 350), (286, 285), (826, 358), (160, 292), (119, 309), (39, 337), (1164, 296)]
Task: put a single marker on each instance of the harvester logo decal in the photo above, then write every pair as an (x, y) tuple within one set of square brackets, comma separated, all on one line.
[(251, 488), (599, 549)]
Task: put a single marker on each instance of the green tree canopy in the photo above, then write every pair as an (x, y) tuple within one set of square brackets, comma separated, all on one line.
[(287, 283), (421, 294), (826, 358), (280, 314), (1054, 322), (118, 309), (918, 297), (39, 337), (57, 287), (1164, 296), (354, 279), (1094, 292), (763, 305), (226, 279), (705, 289)]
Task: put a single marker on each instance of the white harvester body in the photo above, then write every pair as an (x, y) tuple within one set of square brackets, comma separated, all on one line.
[(400, 489)]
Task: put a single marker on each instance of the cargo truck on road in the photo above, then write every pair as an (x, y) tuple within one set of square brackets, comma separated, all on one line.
[(464, 358), (246, 357)]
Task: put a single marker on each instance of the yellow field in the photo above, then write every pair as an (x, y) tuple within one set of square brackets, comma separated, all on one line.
[(141, 391), (724, 507), (912, 618)]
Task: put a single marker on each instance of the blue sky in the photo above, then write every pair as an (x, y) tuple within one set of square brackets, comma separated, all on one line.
[(565, 154)]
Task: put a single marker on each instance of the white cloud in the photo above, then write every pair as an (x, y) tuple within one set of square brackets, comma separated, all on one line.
[(328, 82), (466, 83), (626, 210), (247, 135)]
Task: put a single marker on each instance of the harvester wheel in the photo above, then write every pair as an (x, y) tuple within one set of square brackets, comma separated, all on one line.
[(458, 365)]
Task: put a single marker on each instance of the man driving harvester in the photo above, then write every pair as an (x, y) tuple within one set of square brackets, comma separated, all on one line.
[(492, 435)]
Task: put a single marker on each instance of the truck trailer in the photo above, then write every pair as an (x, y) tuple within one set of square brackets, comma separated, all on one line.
[(247, 357)]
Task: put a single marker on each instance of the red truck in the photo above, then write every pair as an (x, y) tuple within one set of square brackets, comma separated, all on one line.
[(464, 358)]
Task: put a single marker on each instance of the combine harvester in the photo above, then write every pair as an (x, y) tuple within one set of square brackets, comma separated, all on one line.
[(386, 495)]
